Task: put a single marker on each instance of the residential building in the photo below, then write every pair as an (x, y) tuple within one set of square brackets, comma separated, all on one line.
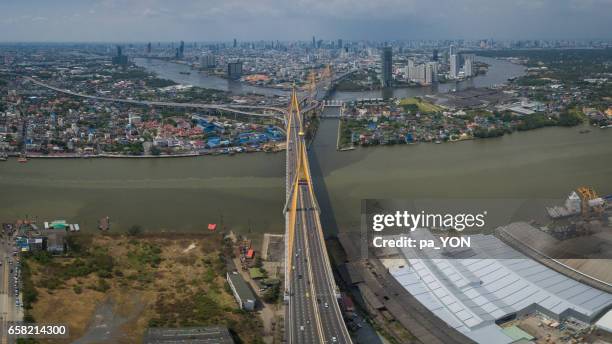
[(234, 70), (208, 61), (468, 63), (454, 66), (431, 73)]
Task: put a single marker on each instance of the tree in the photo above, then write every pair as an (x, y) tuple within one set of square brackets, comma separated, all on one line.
[(134, 230), (272, 294), (569, 119), (155, 150), (258, 262)]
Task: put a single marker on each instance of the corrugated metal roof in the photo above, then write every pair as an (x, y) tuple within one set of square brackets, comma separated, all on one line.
[(471, 293)]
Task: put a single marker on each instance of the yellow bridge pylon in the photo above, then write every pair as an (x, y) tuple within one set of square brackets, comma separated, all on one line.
[(301, 175)]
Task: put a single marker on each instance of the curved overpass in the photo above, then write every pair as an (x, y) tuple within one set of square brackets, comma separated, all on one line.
[(224, 107)]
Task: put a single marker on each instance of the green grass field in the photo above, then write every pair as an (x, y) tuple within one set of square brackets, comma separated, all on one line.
[(423, 105)]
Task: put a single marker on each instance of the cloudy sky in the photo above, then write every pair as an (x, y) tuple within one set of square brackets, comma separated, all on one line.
[(210, 20)]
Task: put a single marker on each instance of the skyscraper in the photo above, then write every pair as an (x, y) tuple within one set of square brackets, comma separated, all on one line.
[(181, 50), (435, 55), (149, 48), (314, 43), (387, 67), (207, 61), (120, 59), (235, 43), (339, 43), (234, 70), (411, 71), (431, 73), (454, 66), (468, 63)]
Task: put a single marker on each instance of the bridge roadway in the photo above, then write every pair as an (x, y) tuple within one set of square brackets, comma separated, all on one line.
[(312, 314)]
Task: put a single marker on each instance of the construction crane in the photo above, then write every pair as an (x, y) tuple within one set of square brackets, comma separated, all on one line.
[(590, 203)]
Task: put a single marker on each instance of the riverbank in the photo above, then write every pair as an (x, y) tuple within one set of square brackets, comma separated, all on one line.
[(227, 151), (246, 192)]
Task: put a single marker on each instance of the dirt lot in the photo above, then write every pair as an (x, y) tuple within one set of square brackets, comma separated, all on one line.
[(112, 288)]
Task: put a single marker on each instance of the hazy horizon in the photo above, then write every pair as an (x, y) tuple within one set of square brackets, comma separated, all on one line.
[(385, 20)]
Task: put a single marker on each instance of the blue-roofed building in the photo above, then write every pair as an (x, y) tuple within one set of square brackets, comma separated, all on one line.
[(213, 142), (274, 133)]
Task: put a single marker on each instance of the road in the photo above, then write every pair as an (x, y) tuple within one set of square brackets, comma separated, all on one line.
[(313, 314), (9, 310), (234, 108)]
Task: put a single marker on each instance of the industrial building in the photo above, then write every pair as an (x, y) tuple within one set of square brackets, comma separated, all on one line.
[(195, 335), (490, 284), (242, 292)]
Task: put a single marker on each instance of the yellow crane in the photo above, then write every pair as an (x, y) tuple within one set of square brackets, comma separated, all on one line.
[(588, 201)]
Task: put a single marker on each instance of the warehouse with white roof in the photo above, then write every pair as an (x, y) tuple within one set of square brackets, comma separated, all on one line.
[(492, 283)]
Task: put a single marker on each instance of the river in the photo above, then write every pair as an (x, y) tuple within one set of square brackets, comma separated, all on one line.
[(498, 73), (183, 74), (245, 192)]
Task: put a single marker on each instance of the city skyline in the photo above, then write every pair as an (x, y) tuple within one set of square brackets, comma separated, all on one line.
[(152, 20)]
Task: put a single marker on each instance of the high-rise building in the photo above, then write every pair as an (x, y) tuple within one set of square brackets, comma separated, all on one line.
[(149, 48), (235, 43), (419, 73), (120, 59), (339, 43), (468, 64), (431, 73), (452, 50), (234, 70), (454, 66), (180, 51), (411, 73), (314, 43), (435, 55), (208, 61), (387, 67)]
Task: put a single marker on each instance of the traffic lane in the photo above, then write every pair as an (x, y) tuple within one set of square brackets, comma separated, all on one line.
[(330, 314), (324, 294), (305, 317), (333, 310), (321, 300), (321, 326), (299, 314)]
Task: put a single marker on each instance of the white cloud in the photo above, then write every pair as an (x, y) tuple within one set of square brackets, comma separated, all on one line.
[(354, 19)]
